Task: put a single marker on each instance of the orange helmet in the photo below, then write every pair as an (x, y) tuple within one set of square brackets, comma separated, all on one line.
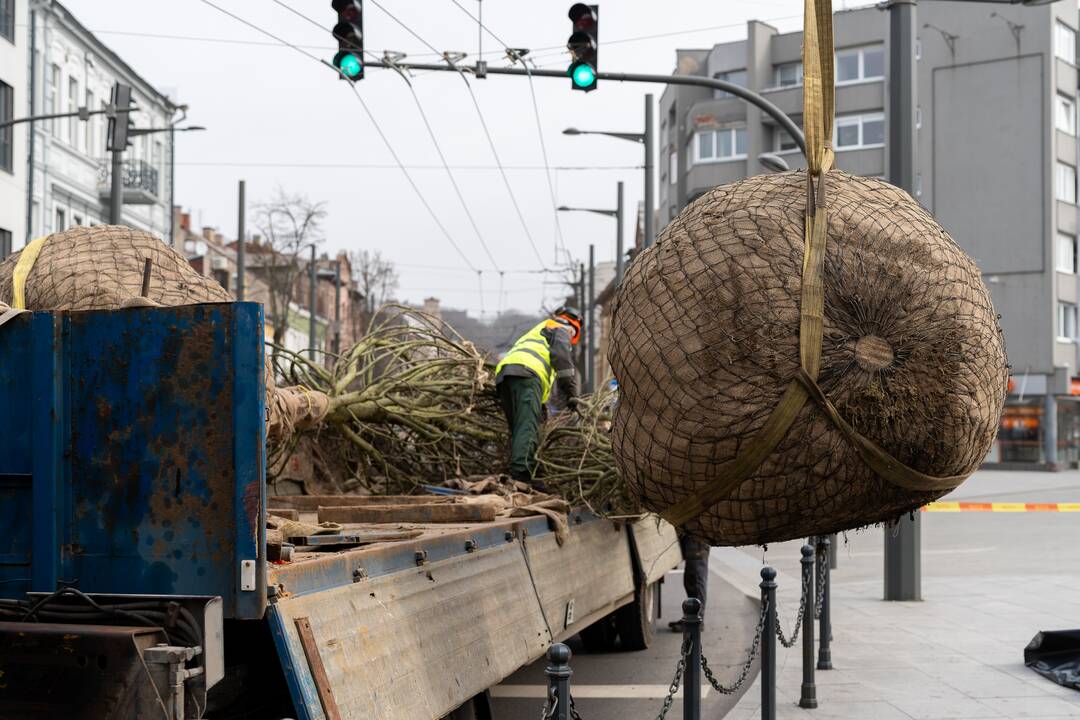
[(571, 317)]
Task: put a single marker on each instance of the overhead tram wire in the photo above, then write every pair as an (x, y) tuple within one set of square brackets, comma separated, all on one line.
[(484, 127), (371, 117), (424, 117), (560, 242)]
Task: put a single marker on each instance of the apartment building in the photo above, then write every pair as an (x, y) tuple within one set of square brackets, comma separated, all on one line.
[(996, 164), (13, 104), (70, 184)]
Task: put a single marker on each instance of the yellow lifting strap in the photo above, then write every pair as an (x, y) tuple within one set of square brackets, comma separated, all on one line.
[(818, 111), (22, 268)]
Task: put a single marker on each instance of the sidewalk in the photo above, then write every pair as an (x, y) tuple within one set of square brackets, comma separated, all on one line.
[(990, 582)]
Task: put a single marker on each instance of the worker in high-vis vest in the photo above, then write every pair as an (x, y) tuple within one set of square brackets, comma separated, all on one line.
[(540, 359)]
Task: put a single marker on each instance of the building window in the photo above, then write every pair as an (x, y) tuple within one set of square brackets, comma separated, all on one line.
[(1066, 321), (73, 105), (61, 220), (854, 132), (783, 142), (788, 74), (1065, 183), (735, 77), (156, 158), (673, 167), (716, 145), (1066, 253), (7, 111), (1065, 114), (52, 79), (859, 64), (5, 243), (7, 21), (1065, 42)]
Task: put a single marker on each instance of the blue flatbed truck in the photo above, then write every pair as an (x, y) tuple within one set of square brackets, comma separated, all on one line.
[(134, 579)]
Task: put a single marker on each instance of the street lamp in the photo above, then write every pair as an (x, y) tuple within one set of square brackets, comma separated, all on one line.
[(648, 140)]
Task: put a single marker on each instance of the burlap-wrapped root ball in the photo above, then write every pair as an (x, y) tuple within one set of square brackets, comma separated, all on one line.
[(705, 339), (101, 268)]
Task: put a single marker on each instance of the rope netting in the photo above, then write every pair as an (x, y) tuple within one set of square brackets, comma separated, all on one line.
[(705, 342)]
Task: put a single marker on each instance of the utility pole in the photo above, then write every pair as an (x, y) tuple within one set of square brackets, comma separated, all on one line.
[(903, 543), (650, 170), (590, 336), (337, 306), (311, 304), (620, 261), (580, 292), (241, 234)]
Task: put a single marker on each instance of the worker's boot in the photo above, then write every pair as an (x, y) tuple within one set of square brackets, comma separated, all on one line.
[(535, 484)]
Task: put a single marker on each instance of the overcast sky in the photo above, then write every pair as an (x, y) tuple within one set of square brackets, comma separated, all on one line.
[(275, 117)]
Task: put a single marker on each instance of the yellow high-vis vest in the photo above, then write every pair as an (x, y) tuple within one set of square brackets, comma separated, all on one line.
[(532, 351)]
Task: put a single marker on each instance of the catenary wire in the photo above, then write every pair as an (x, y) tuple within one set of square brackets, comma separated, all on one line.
[(374, 123), (560, 242), (427, 124), (390, 166)]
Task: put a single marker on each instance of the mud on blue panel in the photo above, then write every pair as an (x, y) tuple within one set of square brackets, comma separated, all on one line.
[(132, 452)]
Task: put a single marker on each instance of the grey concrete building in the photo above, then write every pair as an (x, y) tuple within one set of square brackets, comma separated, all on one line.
[(996, 164)]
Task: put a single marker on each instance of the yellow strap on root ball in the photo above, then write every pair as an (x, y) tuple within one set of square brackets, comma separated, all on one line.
[(818, 105), (23, 267)]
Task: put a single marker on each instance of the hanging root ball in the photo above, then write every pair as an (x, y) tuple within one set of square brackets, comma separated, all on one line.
[(705, 339)]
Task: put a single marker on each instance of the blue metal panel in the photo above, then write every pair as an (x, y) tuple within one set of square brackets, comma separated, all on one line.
[(305, 695), (147, 432)]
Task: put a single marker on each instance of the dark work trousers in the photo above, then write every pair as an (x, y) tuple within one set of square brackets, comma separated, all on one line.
[(696, 574), (520, 398)]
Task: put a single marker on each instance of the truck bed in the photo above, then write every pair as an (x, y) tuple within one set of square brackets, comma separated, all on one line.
[(414, 628)]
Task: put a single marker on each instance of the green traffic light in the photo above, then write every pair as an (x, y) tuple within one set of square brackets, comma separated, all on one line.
[(582, 75), (349, 64)]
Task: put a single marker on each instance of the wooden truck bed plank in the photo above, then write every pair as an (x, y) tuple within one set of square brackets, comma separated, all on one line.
[(657, 546)]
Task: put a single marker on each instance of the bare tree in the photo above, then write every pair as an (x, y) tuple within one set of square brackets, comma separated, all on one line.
[(376, 277), (290, 223)]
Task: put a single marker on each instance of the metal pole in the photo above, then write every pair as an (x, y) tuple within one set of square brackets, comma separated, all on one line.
[(558, 674), (241, 250), (172, 184), (650, 169), (768, 644), (619, 260), (808, 696), (337, 306), (580, 290), (116, 191), (31, 139), (824, 661), (903, 571), (311, 305), (691, 608), (1049, 428), (590, 335)]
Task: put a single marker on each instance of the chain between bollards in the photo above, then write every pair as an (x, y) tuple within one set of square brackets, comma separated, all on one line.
[(808, 694)]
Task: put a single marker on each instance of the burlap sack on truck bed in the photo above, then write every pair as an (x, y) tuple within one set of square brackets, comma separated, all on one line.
[(705, 342)]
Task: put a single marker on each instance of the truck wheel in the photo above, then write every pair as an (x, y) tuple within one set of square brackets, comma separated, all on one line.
[(600, 636), (635, 621)]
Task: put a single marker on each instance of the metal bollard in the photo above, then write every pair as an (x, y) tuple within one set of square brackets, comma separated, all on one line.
[(691, 608), (808, 697), (824, 660), (768, 644), (558, 673)]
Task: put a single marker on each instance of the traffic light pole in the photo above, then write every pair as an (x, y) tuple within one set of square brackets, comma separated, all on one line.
[(650, 170), (116, 192), (749, 96)]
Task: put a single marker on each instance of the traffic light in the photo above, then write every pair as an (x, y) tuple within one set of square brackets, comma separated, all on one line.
[(349, 32), (583, 46), (121, 123)]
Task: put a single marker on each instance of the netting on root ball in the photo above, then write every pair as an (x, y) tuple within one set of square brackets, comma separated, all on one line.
[(101, 268), (705, 342)]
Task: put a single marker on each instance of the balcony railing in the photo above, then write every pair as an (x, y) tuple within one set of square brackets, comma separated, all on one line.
[(141, 181)]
